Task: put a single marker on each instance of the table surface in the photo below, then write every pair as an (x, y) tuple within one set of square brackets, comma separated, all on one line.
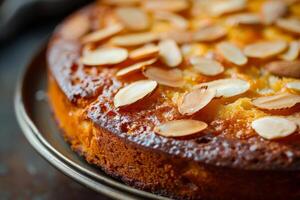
[(23, 173)]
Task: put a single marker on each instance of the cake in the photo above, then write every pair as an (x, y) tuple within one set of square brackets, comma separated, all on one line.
[(188, 99)]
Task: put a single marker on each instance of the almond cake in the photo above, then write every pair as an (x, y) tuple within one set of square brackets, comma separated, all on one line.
[(188, 99)]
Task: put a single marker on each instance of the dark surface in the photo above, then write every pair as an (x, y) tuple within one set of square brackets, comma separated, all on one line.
[(23, 173)]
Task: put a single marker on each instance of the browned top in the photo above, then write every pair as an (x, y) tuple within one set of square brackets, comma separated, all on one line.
[(226, 142)]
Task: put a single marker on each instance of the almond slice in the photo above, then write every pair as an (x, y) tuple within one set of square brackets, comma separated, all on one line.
[(265, 49), (284, 68), (294, 85), (244, 19), (102, 34), (226, 87), (166, 5), (178, 36), (272, 10), (206, 66), (133, 18), (148, 51), (105, 56), (293, 51), (170, 53), (177, 20), (180, 128), (134, 92), (171, 78), (224, 7), (75, 27), (277, 101), (273, 127), (209, 33), (291, 25), (232, 53), (135, 67), (134, 39), (195, 100)]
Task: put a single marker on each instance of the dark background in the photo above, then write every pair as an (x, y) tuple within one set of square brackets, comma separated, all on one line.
[(25, 26)]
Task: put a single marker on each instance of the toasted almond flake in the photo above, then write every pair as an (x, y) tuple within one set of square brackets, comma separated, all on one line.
[(277, 101), (170, 53), (148, 51), (226, 87), (284, 68), (76, 27), (133, 18), (232, 53), (295, 119), (273, 127), (135, 67), (265, 49), (105, 56), (293, 51), (178, 36), (166, 5), (195, 100), (134, 39), (294, 85), (209, 33), (134, 92), (171, 78), (180, 128), (272, 10), (206, 66), (224, 7), (102, 34), (177, 20), (291, 25), (244, 19), (121, 2)]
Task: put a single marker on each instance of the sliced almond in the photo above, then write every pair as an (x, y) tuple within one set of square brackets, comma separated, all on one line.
[(277, 101), (273, 127), (209, 33), (294, 85), (134, 39), (244, 19), (195, 100), (206, 66), (170, 53), (180, 128), (265, 49), (102, 34), (272, 10), (232, 53), (226, 87), (293, 51), (75, 27), (171, 78), (177, 20), (135, 67), (165, 5), (134, 92), (224, 7), (148, 51), (178, 36), (291, 25), (133, 18), (105, 56), (284, 68)]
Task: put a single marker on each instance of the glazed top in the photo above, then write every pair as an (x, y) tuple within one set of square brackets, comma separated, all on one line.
[(100, 54)]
